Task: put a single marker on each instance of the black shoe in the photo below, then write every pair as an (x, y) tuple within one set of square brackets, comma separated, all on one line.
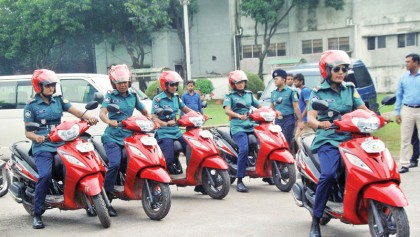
[(200, 189), (403, 170), (37, 223), (91, 212), (241, 188), (315, 230), (269, 181), (413, 164), (112, 212)]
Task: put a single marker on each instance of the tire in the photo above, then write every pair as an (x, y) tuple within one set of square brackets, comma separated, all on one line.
[(221, 180), (4, 181), (394, 220), (101, 210), (161, 199), (287, 176)]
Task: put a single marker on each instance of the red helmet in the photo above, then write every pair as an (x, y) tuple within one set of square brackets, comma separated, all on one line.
[(330, 59), (167, 77), (43, 77), (119, 73), (236, 76)]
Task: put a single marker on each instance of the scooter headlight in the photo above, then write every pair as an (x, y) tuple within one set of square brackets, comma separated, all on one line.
[(366, 125), (69, 134), (373, 146), (198, 144), (136, 151), (145, 125), (148, 141), (73, 160), (205, 134), (356, 161), (197, 121), (268, 116)]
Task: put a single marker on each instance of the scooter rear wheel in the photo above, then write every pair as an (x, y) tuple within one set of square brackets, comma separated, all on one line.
[(4, 181), (394, 220), (101, 210), (156, 199), (221, 182), (284, 175)]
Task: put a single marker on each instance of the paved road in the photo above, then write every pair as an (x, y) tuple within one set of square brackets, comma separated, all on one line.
[(263, 211)]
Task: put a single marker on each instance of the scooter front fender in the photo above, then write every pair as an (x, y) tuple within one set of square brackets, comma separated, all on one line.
[(282, 155), (155, 173), (215, 162), (91, 185), (389, 193)]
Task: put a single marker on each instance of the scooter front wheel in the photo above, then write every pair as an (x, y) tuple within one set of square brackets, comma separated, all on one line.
[(216, 182), (284, 175), (101, 210), (156, 199), (393, 220)]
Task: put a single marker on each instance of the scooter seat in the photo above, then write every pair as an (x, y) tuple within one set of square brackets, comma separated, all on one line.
[(307, 143), (225, 133), (23, 148), (97, 143)]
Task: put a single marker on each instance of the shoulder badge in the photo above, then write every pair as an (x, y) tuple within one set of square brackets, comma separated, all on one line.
[(295, 96), (157, 99), (65, 101), (27, 113), (356, 94)]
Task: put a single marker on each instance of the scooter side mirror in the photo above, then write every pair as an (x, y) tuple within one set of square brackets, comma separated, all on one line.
[(320, 105), (32, 126), (389, 100), (92, 105), (204, 104), (113, 108), (98, 97), (240, 105)]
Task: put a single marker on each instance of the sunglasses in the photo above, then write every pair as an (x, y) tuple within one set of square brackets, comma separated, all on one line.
[(344, 69), (52, 85), (173, 84)]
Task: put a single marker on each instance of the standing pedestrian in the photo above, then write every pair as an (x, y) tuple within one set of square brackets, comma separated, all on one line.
[(288, 108), (408, 115), (414, 161), (305, 93), (191, 98)]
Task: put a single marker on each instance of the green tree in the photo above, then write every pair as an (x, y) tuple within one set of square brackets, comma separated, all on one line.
[(255, 83), (33, 32), (269, 14), (204, 85)]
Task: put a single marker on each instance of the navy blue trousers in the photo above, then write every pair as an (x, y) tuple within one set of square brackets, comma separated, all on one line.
[(416, 149), (329, 159), (167, 147), (287, 125), (114, 154), (43, 161), (241, 139)]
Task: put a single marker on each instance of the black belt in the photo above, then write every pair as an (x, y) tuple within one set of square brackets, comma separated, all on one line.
[(412, 106)]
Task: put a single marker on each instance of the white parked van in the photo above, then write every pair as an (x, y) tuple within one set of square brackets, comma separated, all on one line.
[(79, 89)]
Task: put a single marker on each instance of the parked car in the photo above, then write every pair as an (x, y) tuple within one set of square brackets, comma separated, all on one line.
[(359, 75), (79, 89)]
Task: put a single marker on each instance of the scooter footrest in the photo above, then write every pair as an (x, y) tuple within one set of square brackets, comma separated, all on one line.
[(54, 199), (250, 168), (337, 207), (119, 189)]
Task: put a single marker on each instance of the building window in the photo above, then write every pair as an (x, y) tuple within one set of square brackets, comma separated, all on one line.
[(250, 51), (341, 43), (256, 51), (371, 43), (381, 42), (407, 40), (311, 46), (276, 50)]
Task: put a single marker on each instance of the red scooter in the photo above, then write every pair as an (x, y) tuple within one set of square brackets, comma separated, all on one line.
[(146, 177), (367, 189), (78, 172), (204, 164), (268, 156)]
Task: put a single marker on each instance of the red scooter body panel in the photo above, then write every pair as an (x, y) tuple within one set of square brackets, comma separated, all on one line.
[(91, 184), (150, 156), (75, 173), (155, 173), (388, 193), (215, 162)]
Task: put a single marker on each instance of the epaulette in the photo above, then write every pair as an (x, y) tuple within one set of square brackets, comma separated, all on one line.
[(230, 93), (349, 83), (176, 94), (316, 88), (249, 91), (30, 100), (132, 91)]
